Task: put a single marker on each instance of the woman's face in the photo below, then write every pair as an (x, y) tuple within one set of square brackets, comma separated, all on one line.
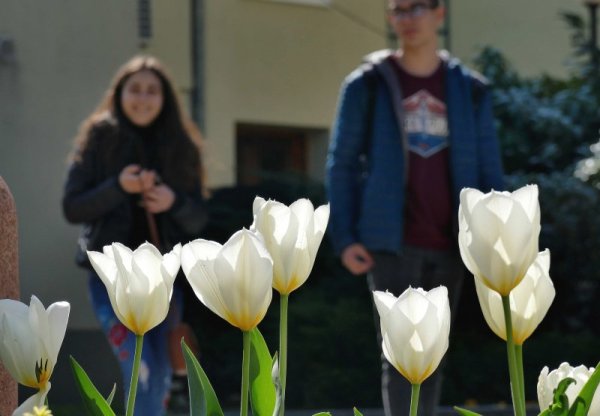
[(142, 98)]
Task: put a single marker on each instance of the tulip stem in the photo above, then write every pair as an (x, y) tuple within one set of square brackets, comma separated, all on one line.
[(519, 356), (414, 399), (518, 399), (135, 372), (283, 321), (245, 373)]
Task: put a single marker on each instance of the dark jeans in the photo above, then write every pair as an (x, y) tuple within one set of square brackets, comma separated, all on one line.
[(416, 267)]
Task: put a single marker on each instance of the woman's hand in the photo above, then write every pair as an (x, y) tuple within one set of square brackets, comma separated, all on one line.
[(159, 198), (135, 180)]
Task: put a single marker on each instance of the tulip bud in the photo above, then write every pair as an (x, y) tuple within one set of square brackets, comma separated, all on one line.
[(548, 381), (30, 340), (292, 235), (139, 283), (498, 235), (415, 328), (233, 280), (529, 301)]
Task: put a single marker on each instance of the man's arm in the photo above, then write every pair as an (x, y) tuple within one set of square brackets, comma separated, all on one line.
[(343, 162)]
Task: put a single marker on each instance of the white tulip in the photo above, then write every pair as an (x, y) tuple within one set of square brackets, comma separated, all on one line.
[(415, 328), (498, 235), (233, 280), (292, 235), (548, 382), (139, 283), (529, 301), (30, 339)]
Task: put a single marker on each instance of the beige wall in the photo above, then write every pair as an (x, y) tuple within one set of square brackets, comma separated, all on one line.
[(277, 63), (172, 42), (66, 53), (530, 33)]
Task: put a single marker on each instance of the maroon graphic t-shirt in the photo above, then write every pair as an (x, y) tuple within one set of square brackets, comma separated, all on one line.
[(428, 216)]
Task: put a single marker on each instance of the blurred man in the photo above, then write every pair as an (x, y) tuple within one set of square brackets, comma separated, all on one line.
[(413, 128)]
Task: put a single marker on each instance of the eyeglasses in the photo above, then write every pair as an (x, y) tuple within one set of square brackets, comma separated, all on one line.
[(413, 11)]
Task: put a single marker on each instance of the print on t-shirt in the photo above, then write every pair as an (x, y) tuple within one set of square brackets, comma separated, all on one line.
[(426, 123)]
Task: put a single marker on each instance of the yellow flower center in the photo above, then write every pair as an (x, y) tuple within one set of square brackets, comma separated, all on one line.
[(39, 411)]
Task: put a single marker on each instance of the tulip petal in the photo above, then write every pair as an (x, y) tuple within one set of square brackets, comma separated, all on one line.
[(122, 256), (532, 298), (14, 327), (258, 204), (198, 250), (245, 266), (384, 302), (206, 287), (58, 316), (197, 261), (171, 263), (527, 197), (105, 267), (37, 400), (146, 261), (491, 307)]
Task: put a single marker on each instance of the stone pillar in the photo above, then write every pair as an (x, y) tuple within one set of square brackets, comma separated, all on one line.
[(9, 283)]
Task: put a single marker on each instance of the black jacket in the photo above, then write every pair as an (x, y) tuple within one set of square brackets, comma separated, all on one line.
[(93, 197)]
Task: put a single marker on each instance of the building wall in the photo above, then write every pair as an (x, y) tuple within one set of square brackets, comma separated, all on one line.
[(65, 55), (278, 63), (530, 33)]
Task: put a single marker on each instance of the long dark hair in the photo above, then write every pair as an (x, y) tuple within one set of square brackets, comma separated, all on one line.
[(181, 161)]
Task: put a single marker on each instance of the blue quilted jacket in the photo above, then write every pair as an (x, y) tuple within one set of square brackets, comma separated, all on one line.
[(367, 202)]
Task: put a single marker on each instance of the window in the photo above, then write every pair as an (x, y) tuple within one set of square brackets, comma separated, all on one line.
[(265, 152)]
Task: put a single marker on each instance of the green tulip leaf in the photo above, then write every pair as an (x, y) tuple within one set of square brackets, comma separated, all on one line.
[(322, 414), (356, 412), (583, 401), (94, 403), (262, 389), (465, 412), (560, 400), (203, 399)]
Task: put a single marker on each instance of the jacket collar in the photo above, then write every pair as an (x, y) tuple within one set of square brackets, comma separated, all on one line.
[(380, 56)]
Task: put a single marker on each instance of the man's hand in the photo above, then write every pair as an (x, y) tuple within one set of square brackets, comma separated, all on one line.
[(357, 259)]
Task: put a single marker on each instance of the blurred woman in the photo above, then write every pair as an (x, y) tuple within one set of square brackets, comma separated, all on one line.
[(136, 175)]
